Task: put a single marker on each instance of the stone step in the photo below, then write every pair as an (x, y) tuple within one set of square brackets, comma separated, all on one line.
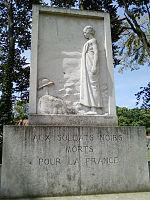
[(120, 196)]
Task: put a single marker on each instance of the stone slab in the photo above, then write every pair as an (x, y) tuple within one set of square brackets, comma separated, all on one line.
[(57, 161), (74, 120), (57, 44), (120, 196)]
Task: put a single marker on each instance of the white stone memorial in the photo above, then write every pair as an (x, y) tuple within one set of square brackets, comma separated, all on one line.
[(73, 145), (71, 68)]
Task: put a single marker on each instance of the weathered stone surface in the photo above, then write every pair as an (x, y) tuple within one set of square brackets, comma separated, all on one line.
[(73, 120), (58, 44), (58, 161), (123, 196)]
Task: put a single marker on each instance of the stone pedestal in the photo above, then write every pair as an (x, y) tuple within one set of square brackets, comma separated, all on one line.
[(73, 120), (43, 161)]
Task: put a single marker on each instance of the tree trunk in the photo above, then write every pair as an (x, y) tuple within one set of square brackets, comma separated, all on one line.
[(7, 82), (136, 28), (81, 4)]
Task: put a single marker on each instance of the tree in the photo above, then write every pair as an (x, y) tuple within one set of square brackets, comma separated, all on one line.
[(144, 95), (15, 38), (135, 38), (135, 41), (134, 117), (21, 111), (130, 33)]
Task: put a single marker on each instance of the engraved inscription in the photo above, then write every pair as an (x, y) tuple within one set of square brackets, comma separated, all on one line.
[(74, 137), (73, 161), (66, 137), (79, 148), (108, 137), (105, 160), (84, 149), (49, 161)]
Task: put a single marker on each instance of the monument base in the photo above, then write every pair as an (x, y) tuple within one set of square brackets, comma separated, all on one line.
[(40, 161), (73, 120)]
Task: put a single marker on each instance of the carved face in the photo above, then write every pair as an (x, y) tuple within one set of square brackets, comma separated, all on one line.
[(86, 33)]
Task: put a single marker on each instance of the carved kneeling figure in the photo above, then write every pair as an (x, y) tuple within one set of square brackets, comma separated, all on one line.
[(51, 105)]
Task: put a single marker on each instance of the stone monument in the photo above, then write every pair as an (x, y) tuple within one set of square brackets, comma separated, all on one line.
[(72, 68), (73, 145)]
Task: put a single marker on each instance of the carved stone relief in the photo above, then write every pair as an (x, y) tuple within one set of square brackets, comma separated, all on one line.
[(49, 104), (80, 91), (90, 95)]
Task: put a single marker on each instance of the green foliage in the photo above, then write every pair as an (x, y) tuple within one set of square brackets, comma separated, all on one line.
[(132, 52), (144, 96), (15, 38), (20, 111), (64, 3), (134, 117), (130, 32), (135, 38)]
